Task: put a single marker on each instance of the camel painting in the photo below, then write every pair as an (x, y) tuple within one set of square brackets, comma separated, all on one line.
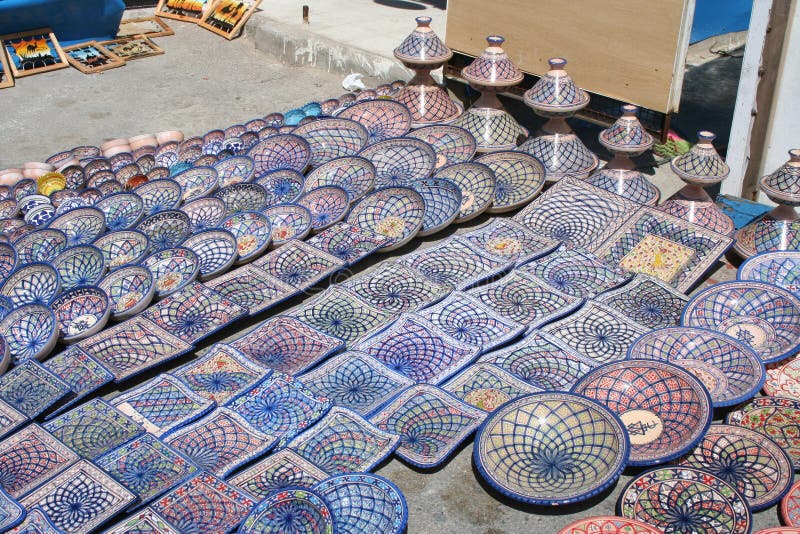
[(189, 10), (91, 57), (33, 51), (227, 17)]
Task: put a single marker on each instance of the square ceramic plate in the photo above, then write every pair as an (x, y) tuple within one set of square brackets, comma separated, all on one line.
[(10, 419), (506, 238), (32, 389), (299, 265), (648, 301), (146, 520), (251, 287), (82, 373), (279, 470), (486, 386)]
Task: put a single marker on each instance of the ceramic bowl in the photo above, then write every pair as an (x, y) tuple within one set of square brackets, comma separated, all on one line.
[(442, 203), (80, 265), (57, 159), (551, 448), (382, 505), (451, 144), (122, 210), (764, 316), (19, 231), (123, 247), (100, 177), (729, 369), (8, 260), (157, 173), (124, 174), (285, 151), (665, 409), (197, 182), (51, 182), (393, 212), (32, 283), (120, 160), (169, 136), (204, 213), (31, 202), (282, 186), (81, 312), (31, 332), (91, 195), (40, 246), (146, 162), (289, 221), (160, 195), (354, 174), (477, 184), (332, 138), (243, 197), (216, 251), (111, 187), (293, 117), (130, 290), (290, 509), (165, 229), (81, 225), (329, 106), (234, 170), (166, 155), (327, 205), (96, 165), (138, 141), (399, 161), (519, 178), (41, 215), (172, 269), (274, 119), (780, 268), (253, 232), (75, 177), (9, 227), (382, 118)]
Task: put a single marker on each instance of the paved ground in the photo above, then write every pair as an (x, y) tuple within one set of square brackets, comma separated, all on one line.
[(204, 82)]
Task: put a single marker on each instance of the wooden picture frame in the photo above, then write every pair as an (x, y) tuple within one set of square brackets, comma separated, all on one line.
[(91, 57), (33, 51), (132, 48), (185, 10), (6, 78), (227, 17), (148, 26)]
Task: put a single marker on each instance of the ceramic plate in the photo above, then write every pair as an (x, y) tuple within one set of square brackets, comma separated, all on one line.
[(81, 225), (327, 205), (234, 170), (278, 470), (487, 387), (399, 161), (285, 151), (81, 312), (778, 418), (519, 178), (477, 184), (577, 273), (173, 269), (442, 203), (332, 138), (393, 212), (282, 186), (648, 301), (243, 197), (34, 283), (780, 268), (38, 246), (507, 238), (289, 221), (129, 289), (354, 174), (165, 229), (608, 524), (382, 118), (450, 143)]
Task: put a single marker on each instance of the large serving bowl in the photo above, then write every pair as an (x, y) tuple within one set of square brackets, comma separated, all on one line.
[(129, 289), (551, 448), (31, 332), (665, 409), (81, 312), (80, 265), (781, 268)]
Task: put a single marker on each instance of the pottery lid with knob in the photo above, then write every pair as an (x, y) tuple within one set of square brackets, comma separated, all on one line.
[(627, 134), (556, 92), (423, 46), (783, 185), (701, 165), (493, 68)]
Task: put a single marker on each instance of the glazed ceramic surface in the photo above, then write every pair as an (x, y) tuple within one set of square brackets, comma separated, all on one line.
[(381, 118), (165, 229), (778, 268), (38, 246), (122, 210), (442, 203), (278, 470), (252, 230), (290, 509), (332, 138), (648, 301), (778, 418), (450, 143), (123, 247), (285, 151), (507, 238), (129, 289), (81, 225), (289, 221), (197, 182), (216, 251), (80, 265), (159, 195), (204, 213), (519, 177), (632, 185), (34, 283), (172, 268), (354, 174), (701, 165), (556, 93), (364, 502), (393, 212), (577, 273), (399, 161), (487, 387), (477, 183), (234, 170), (347, 242), (282, 186), (608, 525), (327, 205)]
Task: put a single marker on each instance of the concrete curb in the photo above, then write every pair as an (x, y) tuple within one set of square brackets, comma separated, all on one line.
[(295, 46)]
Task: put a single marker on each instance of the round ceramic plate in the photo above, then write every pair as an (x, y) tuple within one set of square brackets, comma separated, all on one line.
[(332, 138), (327, 205), (81, 312), (282, 186), (450, 143), (519, 178), (364, 502), (730, 370), (400, 161), (123, 248), (8, 260), (551, 448), (160, 195), (354, 174), (609, 524), (285, 151), (754, 465), (215, 249), (122, 210), (393, 212), (764, 316), (173, 269), (243, 197), (204, 213), (290, 509), (684, 499), (289, 221), (778, 418), (783, 380), (234, 170), (252, 231), (81, 225), (80, 266), (382, 118), (31, 332), (129, 289), (442, 203), (665, 410), (33, 283), (790, 506), (196, 182), (38, 246), (780, 268), (477, 184), (165, 229)]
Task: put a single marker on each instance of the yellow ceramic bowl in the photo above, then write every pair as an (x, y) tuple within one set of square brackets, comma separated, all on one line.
[(51, 182)]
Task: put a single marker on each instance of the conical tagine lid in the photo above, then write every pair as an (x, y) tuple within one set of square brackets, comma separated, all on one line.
[(555, 91), (493, 68), (423, 46)]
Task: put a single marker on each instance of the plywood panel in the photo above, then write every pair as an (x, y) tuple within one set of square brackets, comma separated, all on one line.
[(631, 50)]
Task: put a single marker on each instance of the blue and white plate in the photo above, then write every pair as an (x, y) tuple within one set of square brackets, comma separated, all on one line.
[(81, 312), (285, 151), (327, 205), (393, 212), (781, 268), (129, 289), (122, 210), (400, 161), (332, 138), (8, 260), (122, 248), (452, 144), (363, 502), (519, 178), (216, 251), (442, 203), (477, 184), (382, 118), (282, 186), (80, 265), (354, 174), (289, 221), (173, 269), (253, 232)]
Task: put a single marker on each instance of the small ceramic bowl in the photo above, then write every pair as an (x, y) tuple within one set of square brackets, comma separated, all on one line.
[(130, 290), (399, 161), (8, 260), (169, 136), (173, 269), (393, 212), (234, 170), (80, 265), (165, 229), (327, 205), (51, 182), (41, 215), (31, 202), (120, 160), (285, 151), (31, 332), (24, 188), (160, 195), (204, 213), (81, 225), (216, 251), (332, 138), (253, 232), (196, 182), (282, 186), (289, 221), (32, 283), (122, 210), (243, 197), (442, 203), (354, 174), (96, 165), (138, 141), (81, 312), (382, 118), (781, 268), (91, 195), (123, 247)]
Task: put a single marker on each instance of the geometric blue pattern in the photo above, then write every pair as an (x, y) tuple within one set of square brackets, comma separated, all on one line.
[(395, 288), (32, 389), (364, 503)]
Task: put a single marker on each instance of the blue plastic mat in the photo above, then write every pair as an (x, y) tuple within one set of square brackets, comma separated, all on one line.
[(742, 211), (73, 21)]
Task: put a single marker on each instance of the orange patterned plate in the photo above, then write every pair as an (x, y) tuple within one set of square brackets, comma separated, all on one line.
[(783, 380), (790, 506), (608, 524)]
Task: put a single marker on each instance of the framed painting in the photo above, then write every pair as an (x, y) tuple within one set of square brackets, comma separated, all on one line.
[(6, 79), (133, 47), (228, 17), (91, 57), (186, 10), (33, 51), (149, 26)]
